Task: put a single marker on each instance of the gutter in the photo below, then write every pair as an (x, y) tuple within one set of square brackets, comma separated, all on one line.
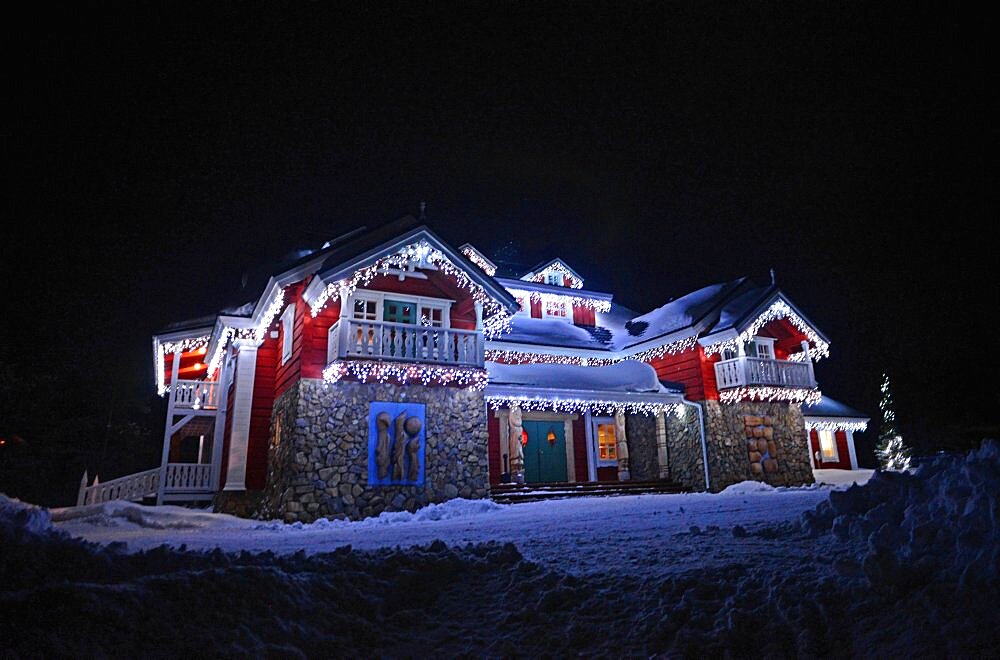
[(701, 429)]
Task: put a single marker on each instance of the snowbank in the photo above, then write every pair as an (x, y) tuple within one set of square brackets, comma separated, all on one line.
[(450, 510), (118, 513)]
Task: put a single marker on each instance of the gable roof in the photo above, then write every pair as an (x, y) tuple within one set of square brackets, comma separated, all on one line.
[(546, 264)]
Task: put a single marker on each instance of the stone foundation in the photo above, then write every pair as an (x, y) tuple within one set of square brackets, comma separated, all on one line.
[(684, 455), (640, 430), (729, 454), (318, 455), (242, 503)]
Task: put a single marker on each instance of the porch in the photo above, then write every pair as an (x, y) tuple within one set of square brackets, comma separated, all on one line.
[(403, 342)]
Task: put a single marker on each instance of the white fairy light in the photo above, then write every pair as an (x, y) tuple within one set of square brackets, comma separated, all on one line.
[(523, 357), (574, 281), (404, 373), (422, 255), (670, 348), (762, 393), (594, 406), (778, 310), (159, 359), (835, 425), (559, 298), (473, 255)]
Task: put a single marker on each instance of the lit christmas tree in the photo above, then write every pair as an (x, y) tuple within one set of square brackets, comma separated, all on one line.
[(891, 451)]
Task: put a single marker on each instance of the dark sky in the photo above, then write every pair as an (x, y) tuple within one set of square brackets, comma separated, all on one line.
[(155, 154)]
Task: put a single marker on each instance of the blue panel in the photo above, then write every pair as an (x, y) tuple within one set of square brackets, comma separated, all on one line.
[(399, 455)]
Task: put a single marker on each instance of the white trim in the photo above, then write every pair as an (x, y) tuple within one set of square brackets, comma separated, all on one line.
[(570, 458), (287, 332), (850, 449), (589, 444), (239, 436)]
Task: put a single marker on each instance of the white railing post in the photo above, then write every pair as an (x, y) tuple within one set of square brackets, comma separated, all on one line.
[(82, 494)]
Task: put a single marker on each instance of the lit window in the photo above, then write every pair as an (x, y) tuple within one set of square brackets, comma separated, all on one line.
[(828, 447), (606, 447), (555, 307)]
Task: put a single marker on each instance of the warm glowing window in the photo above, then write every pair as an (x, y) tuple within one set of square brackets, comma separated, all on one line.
[(555, 307), (606, 447), (828, 446)]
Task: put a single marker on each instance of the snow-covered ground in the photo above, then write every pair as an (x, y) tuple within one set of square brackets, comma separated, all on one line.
[(907, 563)]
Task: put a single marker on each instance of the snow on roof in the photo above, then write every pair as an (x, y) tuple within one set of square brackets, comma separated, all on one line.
[(827, 407), (675, 315), (737, 308), (550, 332), (625, 376)]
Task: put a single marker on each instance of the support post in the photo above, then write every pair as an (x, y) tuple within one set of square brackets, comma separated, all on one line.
[(662, 457), (622, 446), (239, 437), (812, 375), (82, 494), (175, 367)]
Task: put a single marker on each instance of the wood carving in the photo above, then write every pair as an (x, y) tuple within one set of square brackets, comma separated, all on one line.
[(398, 446), (382, 444), (412, 428)]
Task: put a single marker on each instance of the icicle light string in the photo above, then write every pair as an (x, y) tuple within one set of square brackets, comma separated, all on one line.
[(368, 371), (574, 281), (160, 362), (594, 406), (778, 310), (496, 318), (794, 395), (835, 425)]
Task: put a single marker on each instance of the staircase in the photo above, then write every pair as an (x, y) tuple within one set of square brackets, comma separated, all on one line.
[(514, 493)]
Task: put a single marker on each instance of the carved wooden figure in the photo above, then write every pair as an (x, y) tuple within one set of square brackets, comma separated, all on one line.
[(382, 444), (412, 428), (622, 446), (398, 447), (515, 448)]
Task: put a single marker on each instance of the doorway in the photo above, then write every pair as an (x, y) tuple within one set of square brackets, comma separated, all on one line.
[(545, 452)]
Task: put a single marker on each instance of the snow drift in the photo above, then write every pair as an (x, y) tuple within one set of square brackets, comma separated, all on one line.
[(905, 565)]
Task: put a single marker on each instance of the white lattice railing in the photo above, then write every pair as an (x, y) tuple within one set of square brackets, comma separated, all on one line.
[(746, 371), (196, 394), (188, 477), (381, 340), (133, 488)]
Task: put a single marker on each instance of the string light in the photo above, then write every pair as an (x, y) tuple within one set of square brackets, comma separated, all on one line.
[(522, 357), (423, 255), (762, 393), (475, 257), (403, 373), (561, 299), (778, 310), (182, 345), (671, 348), (574, 281), (594, 406), (835, 425)]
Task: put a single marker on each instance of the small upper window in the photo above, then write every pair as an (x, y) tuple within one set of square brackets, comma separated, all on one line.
[(765, 347), (554, 277), (365, 310), (287, 330)]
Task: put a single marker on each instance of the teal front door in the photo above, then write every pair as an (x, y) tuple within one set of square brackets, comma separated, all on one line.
[(545, 453)]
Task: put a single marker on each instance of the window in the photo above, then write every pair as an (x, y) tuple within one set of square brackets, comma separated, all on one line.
[(431, 316), (607, 449), (828, 447), (365, 310), (554, 277), (765, 347), (554, 307), (287, 330), (522, 302)]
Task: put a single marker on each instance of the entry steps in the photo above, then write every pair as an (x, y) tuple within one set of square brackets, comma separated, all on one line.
[(514, 493)]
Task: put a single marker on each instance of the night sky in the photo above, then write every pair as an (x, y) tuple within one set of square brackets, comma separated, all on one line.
[(155, 155)]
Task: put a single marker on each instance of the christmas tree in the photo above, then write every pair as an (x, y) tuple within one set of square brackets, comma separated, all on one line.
[(891, 451)]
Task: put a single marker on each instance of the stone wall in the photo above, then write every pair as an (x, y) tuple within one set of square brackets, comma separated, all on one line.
[(640, 431), (728, 459), (318, 455), (242, 503), (684, 454)]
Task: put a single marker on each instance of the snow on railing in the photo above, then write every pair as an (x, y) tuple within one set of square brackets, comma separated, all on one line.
[(196, 394), (133, 488), (382, 340), (745, 371)]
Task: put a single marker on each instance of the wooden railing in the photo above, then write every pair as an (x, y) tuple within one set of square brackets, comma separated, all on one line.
[(181, 478), (746, 371), (195, 394), (133, 488), (381, 340), (188, 477)]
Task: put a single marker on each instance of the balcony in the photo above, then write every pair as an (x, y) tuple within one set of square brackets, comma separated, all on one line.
[(749, 371), (402, 342), (195, 394)]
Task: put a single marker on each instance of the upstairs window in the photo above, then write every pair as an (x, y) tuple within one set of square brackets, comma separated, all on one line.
[(287, 330), (554, 307), (554, 277), (365, 310), (431, 316)]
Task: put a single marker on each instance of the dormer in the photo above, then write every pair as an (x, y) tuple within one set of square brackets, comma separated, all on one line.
[(554, 273)]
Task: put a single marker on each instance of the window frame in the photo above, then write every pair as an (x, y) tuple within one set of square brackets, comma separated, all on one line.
[(833, 438), (597, 423), (287, 333), (419, 302)]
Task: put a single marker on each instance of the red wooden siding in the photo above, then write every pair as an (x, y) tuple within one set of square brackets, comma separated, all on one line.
[(260, 413), (584, 316), (192, 366), (843, 461), (691, 369), (493, 448), (536, 309), (580, 449)]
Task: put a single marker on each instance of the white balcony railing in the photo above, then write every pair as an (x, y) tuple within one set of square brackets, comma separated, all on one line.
[(381, 340), (188, 478), (747, 371), (195, 394), (181, 479)]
